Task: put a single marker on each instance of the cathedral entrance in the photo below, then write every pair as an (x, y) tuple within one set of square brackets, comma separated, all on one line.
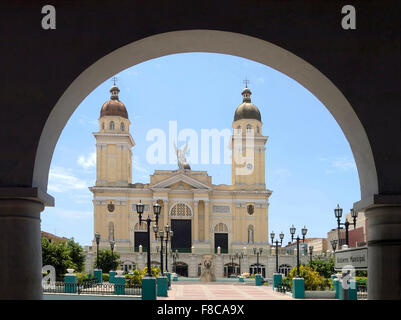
[(221, 238), (181, 240)]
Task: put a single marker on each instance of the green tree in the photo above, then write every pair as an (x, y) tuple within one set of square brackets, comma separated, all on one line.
[(107, 261), (57, 255), (76, 254), (324, 267)]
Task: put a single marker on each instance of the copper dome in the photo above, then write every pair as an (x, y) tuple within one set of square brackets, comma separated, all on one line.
[(114, 107), (247, 110)]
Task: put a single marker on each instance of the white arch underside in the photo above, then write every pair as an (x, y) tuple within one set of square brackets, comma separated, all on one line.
[(215, 42)]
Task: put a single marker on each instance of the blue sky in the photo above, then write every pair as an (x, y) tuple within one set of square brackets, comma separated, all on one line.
[(309, 163)]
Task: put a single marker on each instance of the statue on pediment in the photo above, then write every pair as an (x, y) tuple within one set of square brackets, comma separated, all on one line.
[(182, 160)]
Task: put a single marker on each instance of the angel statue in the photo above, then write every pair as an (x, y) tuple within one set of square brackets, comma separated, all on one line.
[(182, 161)]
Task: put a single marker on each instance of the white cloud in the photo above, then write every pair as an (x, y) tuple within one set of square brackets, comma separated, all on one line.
[(339, 164), (88, 161), (62, 180), (138, 170), (344, 164)]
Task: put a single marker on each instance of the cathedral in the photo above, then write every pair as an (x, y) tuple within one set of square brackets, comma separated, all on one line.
[(228, 221)]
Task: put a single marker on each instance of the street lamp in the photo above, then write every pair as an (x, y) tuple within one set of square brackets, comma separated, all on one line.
[(175, 256), (310, 252), (257, 252), (281, 235), (304, 231), (156, 209), (97, 237), (239, 256), (169, 233), (161, 236), (232, 257), (112, 244), (338, 213), (334, 244)]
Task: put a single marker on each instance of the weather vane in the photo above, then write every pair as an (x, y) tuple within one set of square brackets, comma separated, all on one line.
[(246, 81)]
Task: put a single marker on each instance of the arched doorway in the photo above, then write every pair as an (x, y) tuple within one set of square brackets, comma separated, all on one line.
[(140, 237), (181, 225), (255, 269), (221, 238), (284, 269), (231, 268), (181, 268)]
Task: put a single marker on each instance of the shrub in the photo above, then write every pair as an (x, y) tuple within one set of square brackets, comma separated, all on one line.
[(105, 277), (81, 276), (324, 267), (155, 271), (361, 281), (313, 281), (134, 279)]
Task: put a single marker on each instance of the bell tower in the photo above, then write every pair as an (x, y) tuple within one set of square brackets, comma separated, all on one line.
[(248, 146), (113, 144)]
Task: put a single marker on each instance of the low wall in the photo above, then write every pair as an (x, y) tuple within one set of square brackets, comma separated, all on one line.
[(66, 296), (320, 294)]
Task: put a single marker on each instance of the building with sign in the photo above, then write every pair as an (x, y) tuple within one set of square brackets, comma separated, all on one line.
[(203, 216)]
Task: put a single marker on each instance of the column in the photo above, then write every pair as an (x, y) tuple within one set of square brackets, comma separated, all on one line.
[(20, 249), (384, 253), (207, 226), (165, 212), (196, 222)]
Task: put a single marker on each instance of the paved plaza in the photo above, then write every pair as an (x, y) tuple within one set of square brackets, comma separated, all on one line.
[(222, 291)]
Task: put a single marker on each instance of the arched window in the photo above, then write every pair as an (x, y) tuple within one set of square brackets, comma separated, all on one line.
[(140, 227), (248, 128), (255, 268), (181, 210), (221, 228), (122, 127), (257, 129), (102, 125), (111, 231), (111, 125), (250, 234), (239, 129), (284, 269)]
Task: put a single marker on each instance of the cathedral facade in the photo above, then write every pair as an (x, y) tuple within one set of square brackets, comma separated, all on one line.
[(205, 218)]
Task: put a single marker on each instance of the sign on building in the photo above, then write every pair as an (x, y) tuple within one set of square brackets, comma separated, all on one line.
[(356, 257)]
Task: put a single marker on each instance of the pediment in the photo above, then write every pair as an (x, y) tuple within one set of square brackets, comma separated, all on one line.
[(180, 181)]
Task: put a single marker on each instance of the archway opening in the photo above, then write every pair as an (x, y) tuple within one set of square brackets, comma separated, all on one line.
[(307, 76)]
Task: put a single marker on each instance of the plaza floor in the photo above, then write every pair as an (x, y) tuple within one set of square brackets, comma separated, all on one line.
[(222, 291)]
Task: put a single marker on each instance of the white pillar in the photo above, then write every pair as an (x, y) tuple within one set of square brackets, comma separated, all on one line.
[(384, 252), (20, 249)]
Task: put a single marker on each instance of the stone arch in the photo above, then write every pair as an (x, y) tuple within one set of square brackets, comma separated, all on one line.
[(218, 42)]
